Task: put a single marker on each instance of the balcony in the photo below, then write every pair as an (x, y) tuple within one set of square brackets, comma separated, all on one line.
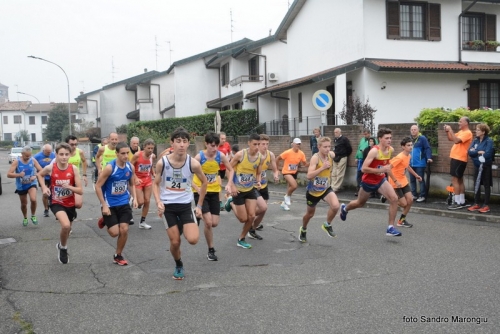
[(246, 78)]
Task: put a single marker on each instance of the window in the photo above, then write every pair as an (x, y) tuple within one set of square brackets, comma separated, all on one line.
[(44, 119), (484, 93), (413, 20), (253, 69), (237, 106), (300, 107), (7, 136), (32, 120), (226, 108), (478, 27), (224, 73), (17, 119), (6, 120), (33, 137)]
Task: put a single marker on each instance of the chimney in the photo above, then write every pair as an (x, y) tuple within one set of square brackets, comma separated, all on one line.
[(145, 70), (81, 93)]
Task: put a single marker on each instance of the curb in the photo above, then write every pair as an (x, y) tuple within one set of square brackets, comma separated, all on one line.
[(433, 212)]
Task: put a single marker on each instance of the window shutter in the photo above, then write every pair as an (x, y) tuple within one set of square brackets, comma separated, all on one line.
[(473, 95), (491, 28), (434, 22), (393, 20)]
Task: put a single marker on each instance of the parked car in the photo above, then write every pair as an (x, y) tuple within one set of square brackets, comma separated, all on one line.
[(15, 152)]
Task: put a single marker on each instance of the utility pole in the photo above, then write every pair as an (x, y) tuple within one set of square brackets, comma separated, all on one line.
[(169, 54), (232, 27)]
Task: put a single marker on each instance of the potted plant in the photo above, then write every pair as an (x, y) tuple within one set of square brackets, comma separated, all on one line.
[(492, 45), (476, 44)]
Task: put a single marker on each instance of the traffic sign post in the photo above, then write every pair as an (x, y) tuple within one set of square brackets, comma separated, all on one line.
[(322, 100)]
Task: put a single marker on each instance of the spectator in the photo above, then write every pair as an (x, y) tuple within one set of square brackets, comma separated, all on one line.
[(314, 141), (482, 153), (342, 150), (363, 144), (458, 154), (421, 155)]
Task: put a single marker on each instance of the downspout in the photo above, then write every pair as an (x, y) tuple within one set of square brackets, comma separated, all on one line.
[(159, 100), (460, 30), (265, 65), (96, 109)]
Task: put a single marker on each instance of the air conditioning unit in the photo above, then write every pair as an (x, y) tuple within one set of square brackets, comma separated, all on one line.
[(272, 76)]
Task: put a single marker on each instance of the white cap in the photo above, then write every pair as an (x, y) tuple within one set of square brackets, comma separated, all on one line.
[(297, 141)]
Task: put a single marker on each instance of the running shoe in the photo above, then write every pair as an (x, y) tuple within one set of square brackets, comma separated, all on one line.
[(392, 232), (252, 235), (404, 223), (34, 220), (144, 226), (455, 206), (119, 260), (302, 235), (25, 222), (227, 206), (420, 199), (178, 273), (475, 207), (260, 227), (328, 229), (284, 206), (343, 212), (45, 213), (211, 255), (222, 208), (131, 222), (287, 200), (243, 244), (100, 222), (62, 254), (383, 199), (484, 209)]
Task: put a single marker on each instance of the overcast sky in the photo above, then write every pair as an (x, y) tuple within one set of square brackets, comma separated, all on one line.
[(98, 42)]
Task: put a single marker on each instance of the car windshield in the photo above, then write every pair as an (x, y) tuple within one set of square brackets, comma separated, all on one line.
[(17, 150)]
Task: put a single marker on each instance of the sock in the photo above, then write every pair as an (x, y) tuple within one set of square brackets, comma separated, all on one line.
[(143, 219), (251, 230), (304, 229), (178, 263), (462, 198), (390, 226), (62, 247), (327, 224), (211, 249), (402, 217)]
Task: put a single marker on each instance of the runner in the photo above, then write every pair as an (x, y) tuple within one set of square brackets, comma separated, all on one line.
[(77, 159), (263, 193), (211, 159), (113, 189), (45, 157), (64, 184), (173, 195), (397, 178), (104, 141), (24, 169), (134, 147), (319, 188), (374, 168), (144, 172), (292, 159), (225, 149), (106, 153), (247, 164)]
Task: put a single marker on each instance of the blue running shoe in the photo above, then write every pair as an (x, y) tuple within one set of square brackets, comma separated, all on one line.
[(243, 244), (392, 232), (227, 206), (343, 212), (179, 273)]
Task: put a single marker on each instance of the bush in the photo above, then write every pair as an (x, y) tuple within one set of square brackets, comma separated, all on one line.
[(6, 143)]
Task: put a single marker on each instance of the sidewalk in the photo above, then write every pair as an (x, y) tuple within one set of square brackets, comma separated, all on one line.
[(433, 206)]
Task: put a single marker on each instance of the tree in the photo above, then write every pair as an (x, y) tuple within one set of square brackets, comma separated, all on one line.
[(22, 135), (57, 123), (357, 112), (122, 128)]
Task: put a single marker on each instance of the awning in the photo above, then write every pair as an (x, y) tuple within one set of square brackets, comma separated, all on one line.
[(387, 65), (134, 114), (217, 103)]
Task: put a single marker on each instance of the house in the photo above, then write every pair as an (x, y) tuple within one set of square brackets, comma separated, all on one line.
[(402, 56)]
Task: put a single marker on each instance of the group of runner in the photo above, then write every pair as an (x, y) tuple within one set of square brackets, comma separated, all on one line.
[(127, 177)]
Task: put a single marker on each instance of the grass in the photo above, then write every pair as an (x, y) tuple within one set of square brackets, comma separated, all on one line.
[(25, 326)]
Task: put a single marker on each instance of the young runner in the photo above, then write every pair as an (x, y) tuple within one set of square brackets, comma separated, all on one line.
[(319, 188), (247, 165), (374, 168), (24, 169), (173, 195), (225, 149), (211, 159), (45, 157), (397, 178), (77, 159), (292, 159), (64, 184), (144, 172), (113, 189)]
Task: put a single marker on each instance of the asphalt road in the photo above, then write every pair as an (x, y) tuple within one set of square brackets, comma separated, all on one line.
[(443, 270)]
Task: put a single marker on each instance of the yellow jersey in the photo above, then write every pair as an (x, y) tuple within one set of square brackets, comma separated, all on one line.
[(107, 156), (245, 173), (211, 170), (76, 160), (317, 186), (265, 167)]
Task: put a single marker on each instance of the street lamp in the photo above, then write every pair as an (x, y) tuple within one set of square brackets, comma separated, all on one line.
[(39, 105), (69, 103)]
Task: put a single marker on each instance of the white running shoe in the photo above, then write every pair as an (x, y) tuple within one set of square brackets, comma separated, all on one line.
[(144, 225), (287, 200), (284, 206), (131, 201)]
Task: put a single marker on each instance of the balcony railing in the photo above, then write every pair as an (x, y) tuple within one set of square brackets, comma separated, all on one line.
[(246, 78)]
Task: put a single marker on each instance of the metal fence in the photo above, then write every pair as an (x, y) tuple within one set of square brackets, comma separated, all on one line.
[(296, 126)]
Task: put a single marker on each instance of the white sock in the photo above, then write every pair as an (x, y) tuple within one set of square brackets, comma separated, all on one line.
[(462, 198)]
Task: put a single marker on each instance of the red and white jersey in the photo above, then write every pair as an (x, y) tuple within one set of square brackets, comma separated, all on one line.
[(143, 166), (58, 177)]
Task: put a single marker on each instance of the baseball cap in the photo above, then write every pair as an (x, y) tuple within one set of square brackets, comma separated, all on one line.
[(297, 141)]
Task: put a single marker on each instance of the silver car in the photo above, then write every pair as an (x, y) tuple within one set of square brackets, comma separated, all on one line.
[(15, 152)]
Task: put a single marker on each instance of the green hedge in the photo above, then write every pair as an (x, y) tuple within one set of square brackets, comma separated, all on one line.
[(234, 123), (6, 143)]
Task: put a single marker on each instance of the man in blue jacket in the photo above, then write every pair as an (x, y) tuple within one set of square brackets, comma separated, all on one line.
[(421, 155)]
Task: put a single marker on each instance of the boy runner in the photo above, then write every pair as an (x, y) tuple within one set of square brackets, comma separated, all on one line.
[(113, 189), (374, 168), (247, 164), (45, 157), (397, 178), (292, 159), (225, 149), (173, 195), (318, 188), (24, 169), (211, 159), (144, 172), (64, 184)]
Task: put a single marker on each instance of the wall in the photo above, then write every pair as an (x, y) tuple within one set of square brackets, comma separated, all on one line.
[(116, 103)]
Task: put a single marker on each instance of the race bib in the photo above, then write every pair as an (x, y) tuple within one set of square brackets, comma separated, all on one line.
[(320, 182), (246, 180), (144, 168), (211, 178), (292, 167), (119, 187), (60, 192), (177, 182), (26, 180)]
